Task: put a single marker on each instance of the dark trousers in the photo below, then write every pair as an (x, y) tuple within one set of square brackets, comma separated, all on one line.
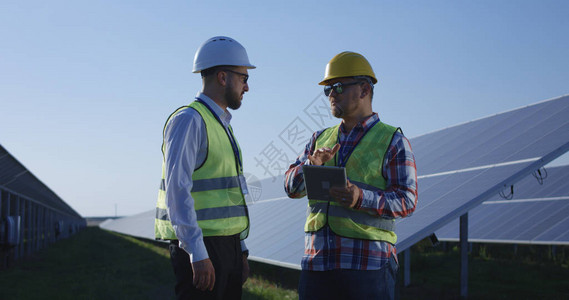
[(227, 259), (349, 284)]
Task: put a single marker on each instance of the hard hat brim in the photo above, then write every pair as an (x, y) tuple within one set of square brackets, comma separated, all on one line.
[(326, 80), (201, 69)]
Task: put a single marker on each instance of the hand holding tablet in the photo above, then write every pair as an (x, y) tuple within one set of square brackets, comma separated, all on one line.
[(319, 179)]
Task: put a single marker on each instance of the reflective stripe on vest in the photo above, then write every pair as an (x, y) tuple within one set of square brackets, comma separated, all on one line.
[(218, 200), (209, 213), (363, 169), (210, 184), (357, 217)]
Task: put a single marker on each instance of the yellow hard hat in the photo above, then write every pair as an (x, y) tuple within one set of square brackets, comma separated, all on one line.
[(348, 64)]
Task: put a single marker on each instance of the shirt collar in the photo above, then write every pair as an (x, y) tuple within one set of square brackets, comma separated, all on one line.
[(366, 124), (223, 114)]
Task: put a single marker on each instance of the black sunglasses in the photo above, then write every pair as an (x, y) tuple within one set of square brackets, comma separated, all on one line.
[(245, 76), (338, 87)]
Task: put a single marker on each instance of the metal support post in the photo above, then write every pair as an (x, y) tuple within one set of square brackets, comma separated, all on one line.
[(22, 213), (407, 267), (464, 255), (28, 225)]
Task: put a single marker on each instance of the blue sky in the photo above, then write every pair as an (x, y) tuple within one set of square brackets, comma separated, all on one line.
[(85, 86)]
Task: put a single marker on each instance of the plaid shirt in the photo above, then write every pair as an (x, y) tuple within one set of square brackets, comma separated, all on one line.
[(323, 249)]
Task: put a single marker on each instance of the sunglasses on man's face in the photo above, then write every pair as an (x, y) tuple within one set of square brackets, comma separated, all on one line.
[(245, 76), (338, 87)]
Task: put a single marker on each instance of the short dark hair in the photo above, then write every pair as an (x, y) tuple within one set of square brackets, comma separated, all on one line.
[(368, 80), (208, 71), (213, 70)]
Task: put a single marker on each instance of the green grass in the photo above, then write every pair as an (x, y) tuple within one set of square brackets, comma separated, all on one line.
[(495, 272), (97, 264), (94, 264), (258, 287)]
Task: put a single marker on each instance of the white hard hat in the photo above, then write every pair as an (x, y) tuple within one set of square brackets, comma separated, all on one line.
[(220, 51)]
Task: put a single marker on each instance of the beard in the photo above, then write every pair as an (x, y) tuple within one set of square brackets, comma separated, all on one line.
[(232, 98), (337, 111)]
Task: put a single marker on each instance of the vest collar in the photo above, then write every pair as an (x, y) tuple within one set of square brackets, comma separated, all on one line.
[(224, 115), (365, 124)]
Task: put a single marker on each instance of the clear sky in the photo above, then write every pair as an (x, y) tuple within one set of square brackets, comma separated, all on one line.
[(85, 86)]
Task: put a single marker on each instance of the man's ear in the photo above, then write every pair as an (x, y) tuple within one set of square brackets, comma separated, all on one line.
[(365, 90), (222, 78)]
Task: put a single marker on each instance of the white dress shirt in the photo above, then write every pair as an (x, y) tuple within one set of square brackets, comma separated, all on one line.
[(185, 141)]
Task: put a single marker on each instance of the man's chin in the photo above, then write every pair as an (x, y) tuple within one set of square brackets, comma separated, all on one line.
[(338, 113), (235, 106)]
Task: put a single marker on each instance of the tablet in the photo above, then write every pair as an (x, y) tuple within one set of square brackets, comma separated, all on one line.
[(319, 179)]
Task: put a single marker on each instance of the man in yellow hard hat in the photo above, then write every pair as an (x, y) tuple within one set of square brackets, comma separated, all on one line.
[(201, 206), (349, 245)]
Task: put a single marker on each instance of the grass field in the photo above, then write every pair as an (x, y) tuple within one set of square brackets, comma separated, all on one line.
[(96, 264), (495, 272)]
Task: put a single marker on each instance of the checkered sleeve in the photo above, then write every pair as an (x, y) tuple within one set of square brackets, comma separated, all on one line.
[(399, 199), (294, 179)]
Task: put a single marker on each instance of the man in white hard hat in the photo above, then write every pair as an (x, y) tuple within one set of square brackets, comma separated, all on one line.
[(350, 239), (201, 202)]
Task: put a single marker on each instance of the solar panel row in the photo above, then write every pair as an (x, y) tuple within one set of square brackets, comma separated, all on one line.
[(16, 178), (537, 214), (459, 168)]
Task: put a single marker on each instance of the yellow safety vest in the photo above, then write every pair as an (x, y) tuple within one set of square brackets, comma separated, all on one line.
[(363, 169), (218, 200)]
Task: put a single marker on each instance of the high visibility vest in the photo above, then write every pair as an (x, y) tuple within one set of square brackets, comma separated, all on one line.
[(218, 200), (364, 169)]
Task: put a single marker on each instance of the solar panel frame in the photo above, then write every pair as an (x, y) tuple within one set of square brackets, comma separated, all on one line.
[(538, 214)]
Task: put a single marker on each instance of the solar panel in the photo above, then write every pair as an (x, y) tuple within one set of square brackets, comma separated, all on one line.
[(459, 167), (537, 214), (277, 226), (139, 225), (462, 166), (16, 178)]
